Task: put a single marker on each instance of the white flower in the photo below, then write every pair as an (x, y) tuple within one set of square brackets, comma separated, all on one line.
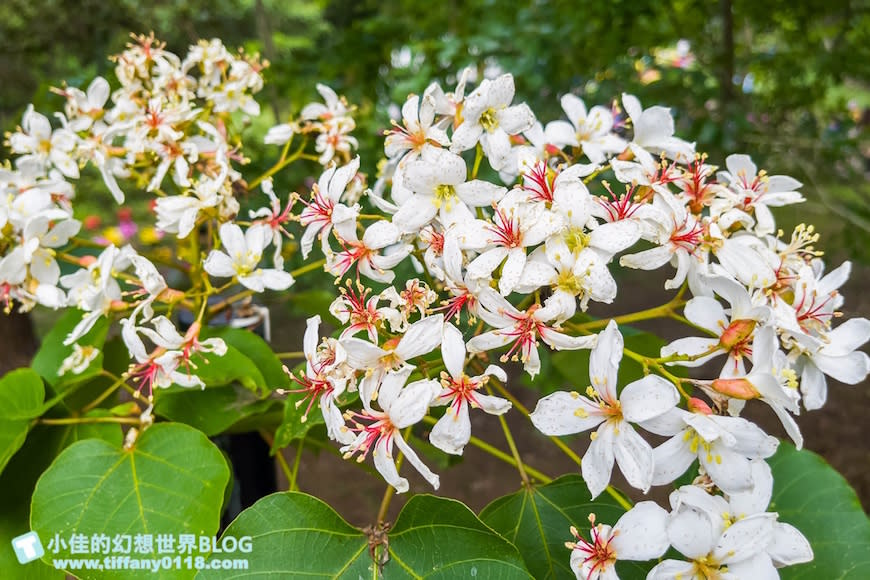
[(377, 431), (756, 192), (79, 360), (324, 210), (722, 445), (654, 130), (242, 256), (452, 431), (639, 534), (489, 118), (37, 141), (735, 539), (522, 329), (437, 179), (365, 254), (564, 413), (418, 116), (592, 130), (421, 338), (733, 333)]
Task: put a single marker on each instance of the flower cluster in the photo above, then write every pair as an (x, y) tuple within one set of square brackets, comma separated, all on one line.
[(458, 261)]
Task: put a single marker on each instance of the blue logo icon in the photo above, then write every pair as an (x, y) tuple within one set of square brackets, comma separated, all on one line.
[(27, 547)]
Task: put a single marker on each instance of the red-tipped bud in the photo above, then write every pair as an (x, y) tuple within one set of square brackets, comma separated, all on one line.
[(696, 405), (736, 333), (736, 388)]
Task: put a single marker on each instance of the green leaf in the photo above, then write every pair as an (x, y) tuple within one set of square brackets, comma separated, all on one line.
[(296, 535), (43, 444), (216, 371), (310, 302), (537, 522), (810, 495), (257, 350), (212, 410), (171, 481), (21, 398), (52, 351), (436, 537)]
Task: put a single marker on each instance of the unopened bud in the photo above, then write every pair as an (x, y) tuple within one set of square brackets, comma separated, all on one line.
[(696, 405), (736, 388), (737, 332)]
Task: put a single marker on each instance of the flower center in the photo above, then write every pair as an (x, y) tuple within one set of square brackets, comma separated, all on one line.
[(576, 239), (488, 120), (444, 195)]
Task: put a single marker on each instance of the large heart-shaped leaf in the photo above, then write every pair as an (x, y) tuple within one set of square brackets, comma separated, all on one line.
[(170, 482), (810, 495), (537, 521), (43, 444), (296, 535), (21, 398)]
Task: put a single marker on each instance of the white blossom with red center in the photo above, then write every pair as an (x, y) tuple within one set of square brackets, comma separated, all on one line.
[(756, 192), (324, 208), (420, 338), (516, 225), (358, 311), (639, 534), (364, 255), (521, 329), (418, 127), (275, 219), (459, 392), (172, 350), (566, 413), (326, 377), (732, 332), (377, 431)]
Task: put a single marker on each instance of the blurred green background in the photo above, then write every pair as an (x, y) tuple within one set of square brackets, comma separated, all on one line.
[(788, 82)]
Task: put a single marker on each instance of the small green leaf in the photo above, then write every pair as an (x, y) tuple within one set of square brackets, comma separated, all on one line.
[(810, 495), (216, 371), (211, 410), (21, 398), (52, 351), (171, 481), (257, 350), (537, 522)]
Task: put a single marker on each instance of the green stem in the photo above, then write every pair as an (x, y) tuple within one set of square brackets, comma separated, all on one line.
[(296, 463), (478, 157), (291, 354), (512, 446), (307, 268), (291, 481), (104, 395), (498, 454), (85, 420), (283, 162)]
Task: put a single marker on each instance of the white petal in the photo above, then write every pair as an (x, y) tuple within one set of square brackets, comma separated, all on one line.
[(642, 533), (789, 546), (219, 264), (672, 570), (707, 313), (492, 405), (563, 413), (422, 337), (452, 431), (386, 466), (361, 354), (847, 337), (672, 459), (745, 538), (604, 360), (453, 350), (634, 457), (691, 533), (414, 460), (647, 398), (615, 236), (597, 463), (478, 193)]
